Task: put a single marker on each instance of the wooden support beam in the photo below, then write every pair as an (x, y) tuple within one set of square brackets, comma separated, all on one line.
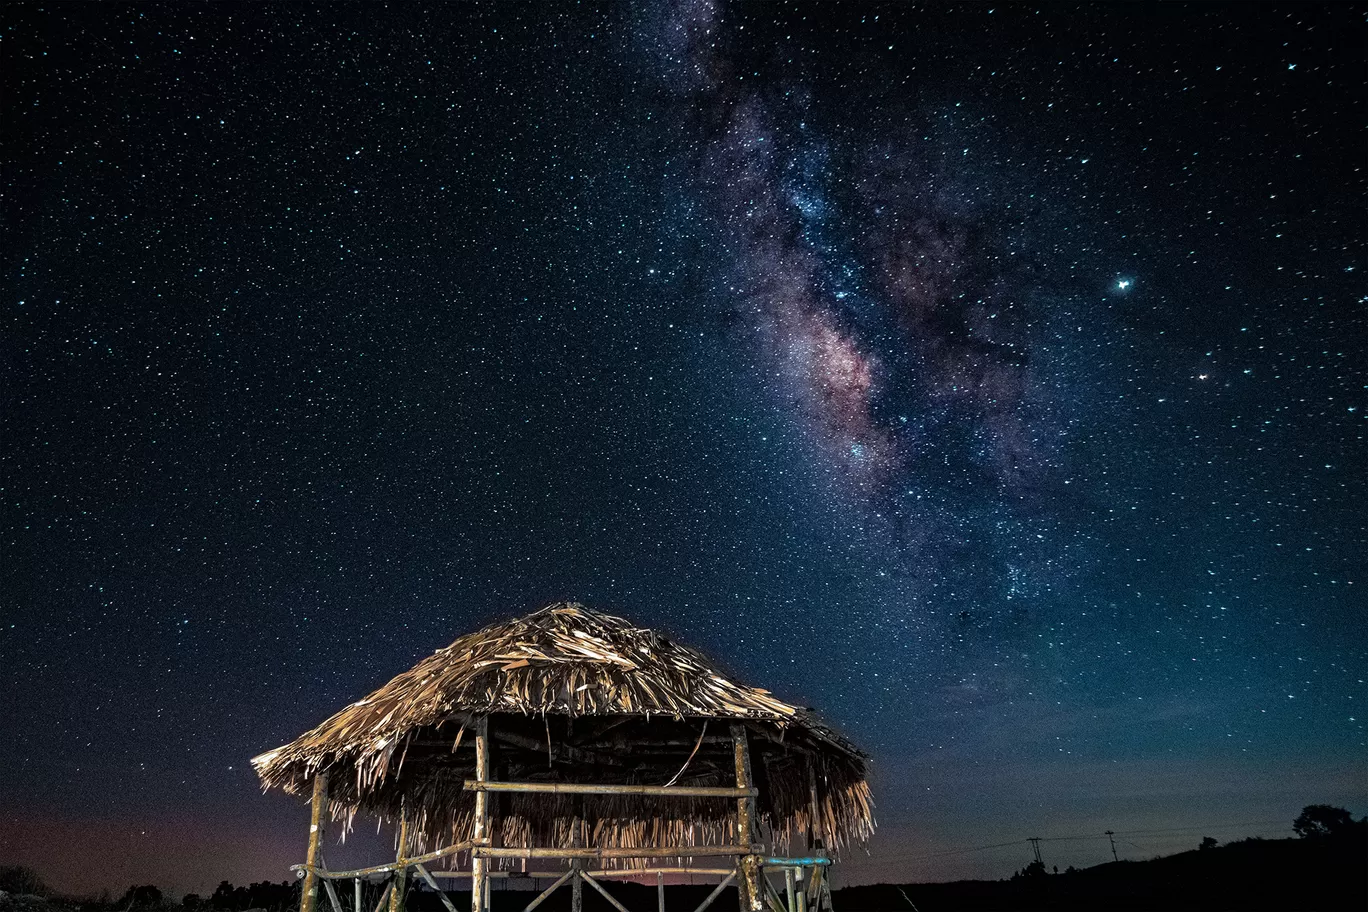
[(590, 852), (717, 891), (751, 899), (561, 751), (773, 900), (332, 895), (480, 833), (441, 894), (318, 814), (660, 891), (600, 873), (576, 788), (612, 900), (399, 893), (788, 890), (577, 864), (815, 836), (384, 896), (541, 897), (815, 888), (356, 893), (386, 868), (795, 862)]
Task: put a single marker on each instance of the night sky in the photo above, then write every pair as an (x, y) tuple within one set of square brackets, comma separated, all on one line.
[(990, 378)]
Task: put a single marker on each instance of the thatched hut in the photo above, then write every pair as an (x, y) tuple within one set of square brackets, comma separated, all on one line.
[(573, 735)]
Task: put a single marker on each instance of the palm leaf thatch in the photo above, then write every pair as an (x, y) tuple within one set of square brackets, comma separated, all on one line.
[(576, 696)]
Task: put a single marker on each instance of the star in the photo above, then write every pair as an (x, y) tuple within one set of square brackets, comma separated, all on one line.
[(1123, 284)]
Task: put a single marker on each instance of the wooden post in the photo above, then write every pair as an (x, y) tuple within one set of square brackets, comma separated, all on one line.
[(480, 831), (660, 891), (577, 864), (751, 899), (400, 892), (816, 837), (318, 816), (788, 890), (356, 892)]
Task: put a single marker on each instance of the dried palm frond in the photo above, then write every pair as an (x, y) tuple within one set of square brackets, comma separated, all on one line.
[(404, 750)]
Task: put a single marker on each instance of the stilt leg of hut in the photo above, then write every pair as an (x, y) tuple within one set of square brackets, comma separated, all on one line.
[(400, 891), (577, 840), (356, 892), (789, 891), (816, 839), (480, 830), (751, 899), (660, 892), (317, 819)]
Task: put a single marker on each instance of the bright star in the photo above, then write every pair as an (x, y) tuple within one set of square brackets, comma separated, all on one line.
[(1123, 284)]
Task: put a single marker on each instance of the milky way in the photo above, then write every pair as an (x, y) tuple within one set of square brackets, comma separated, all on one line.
[(889, 312)]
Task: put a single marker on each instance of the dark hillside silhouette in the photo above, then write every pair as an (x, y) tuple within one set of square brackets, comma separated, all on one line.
[(1326, 872)]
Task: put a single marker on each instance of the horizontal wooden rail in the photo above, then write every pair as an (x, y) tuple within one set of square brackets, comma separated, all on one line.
[(794, 862), (388, 868), (600, 872), (641, 852), (573, 788), (633, 872)]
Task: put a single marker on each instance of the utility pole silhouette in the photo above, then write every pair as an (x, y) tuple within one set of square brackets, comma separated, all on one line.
[(1035, 844), (1113, 845)]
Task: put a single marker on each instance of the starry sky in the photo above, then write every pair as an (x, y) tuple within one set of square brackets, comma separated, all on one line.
[(990, 378)]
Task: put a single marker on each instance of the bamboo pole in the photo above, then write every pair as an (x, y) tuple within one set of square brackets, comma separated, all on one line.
[(400, 893), (317, 820), (717, 891), (772, 897), (574, 788), (356, 893), (660, 891), (478, 865), (788, 890), (332, 895), (541, 897), (385, 868), (576, 864), (441, 894), (600, 873), (612, 900), (590, 852), (816, 837), (751, 899)]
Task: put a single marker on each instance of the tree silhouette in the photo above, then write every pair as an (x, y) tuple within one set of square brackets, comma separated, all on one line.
[(21, 879), (141, 897), (1318, 820), (1208, 842)]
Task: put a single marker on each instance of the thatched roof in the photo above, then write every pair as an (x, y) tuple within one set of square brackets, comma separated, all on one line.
[(574, 695)]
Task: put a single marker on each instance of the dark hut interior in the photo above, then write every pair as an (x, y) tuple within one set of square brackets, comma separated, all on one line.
[(575, 736)]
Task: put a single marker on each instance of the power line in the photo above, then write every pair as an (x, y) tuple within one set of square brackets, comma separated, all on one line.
[(1035, 840)]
